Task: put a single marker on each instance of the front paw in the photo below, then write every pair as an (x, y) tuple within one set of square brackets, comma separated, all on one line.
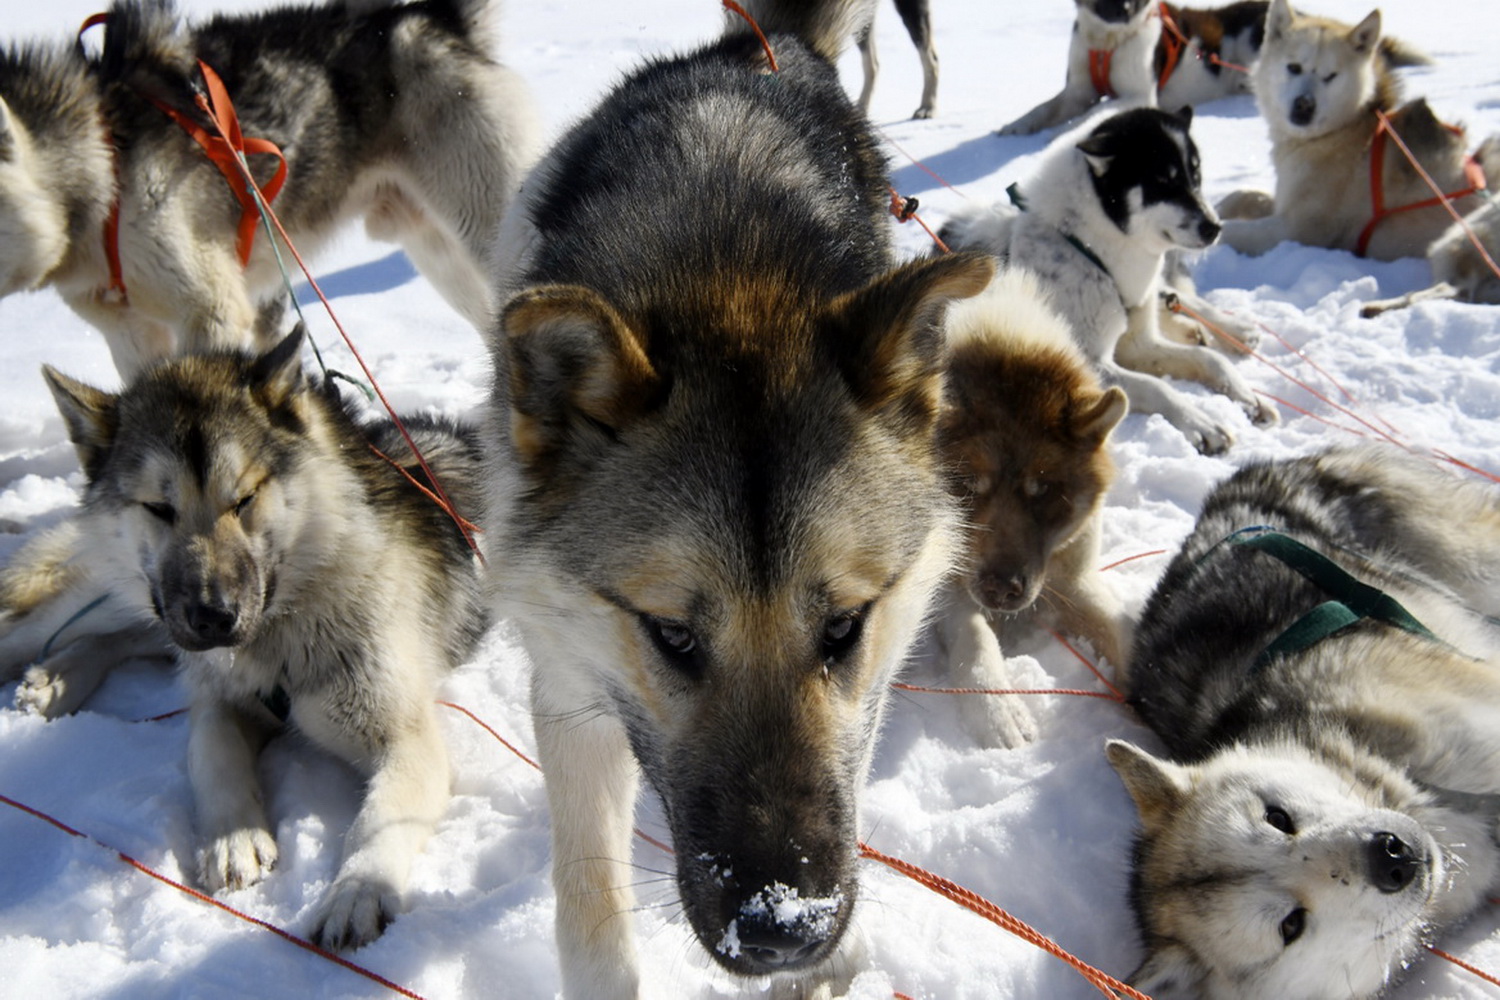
[(355, 912), (998, 721), (237, 859), (43, 692)]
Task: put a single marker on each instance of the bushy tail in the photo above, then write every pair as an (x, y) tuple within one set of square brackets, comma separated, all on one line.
[(826, 26), (1397, 53)]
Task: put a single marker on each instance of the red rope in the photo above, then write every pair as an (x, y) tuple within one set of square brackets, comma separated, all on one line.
[(1128, 559), (302, 943), (742, 12), (1440, 953), (1118, 696), (1472, 172), (905, 209)]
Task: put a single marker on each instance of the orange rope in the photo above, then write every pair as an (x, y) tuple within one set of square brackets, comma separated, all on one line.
[(1118, 696), (302, 943), (1440, 953), (1127, 559), (742, 12), (905, 209)]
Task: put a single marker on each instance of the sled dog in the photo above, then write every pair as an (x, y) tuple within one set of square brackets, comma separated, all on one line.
[(917, 16), (717, 489), (394, 112), (1161, 53), (300, 578), (1096, 222), (1319, 663), (1320, 87), (1023, 432)]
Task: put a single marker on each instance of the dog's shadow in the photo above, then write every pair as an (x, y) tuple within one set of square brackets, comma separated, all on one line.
[(372, 277), (967, 162)]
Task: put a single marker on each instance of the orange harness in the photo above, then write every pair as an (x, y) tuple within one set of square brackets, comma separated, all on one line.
[(226, 150), (1173, 43), (1473, 172), (1099, 60)]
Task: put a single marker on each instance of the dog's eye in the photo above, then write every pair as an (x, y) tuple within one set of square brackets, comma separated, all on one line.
[(161, 511), (841, 634), (674, 640), (1294, 68), (243, 505), (1280, 819), (1329, 77), (1292, 925)]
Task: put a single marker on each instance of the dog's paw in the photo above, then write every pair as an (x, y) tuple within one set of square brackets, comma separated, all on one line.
[(355, 912), (43, 692), (1209, 438), (237, 859), (999, 721), (1246, 205), (1262, 413)]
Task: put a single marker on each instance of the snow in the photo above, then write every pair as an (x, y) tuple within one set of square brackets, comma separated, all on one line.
[(1043, 831)]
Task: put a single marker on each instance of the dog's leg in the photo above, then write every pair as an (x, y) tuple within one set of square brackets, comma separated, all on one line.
[(917, 16), (404, 799), (223, 743), (1149, 394), (1249, 204), (1441, 292), (1069, 103), (1255, 236), (591, 786), (975, 661), (1083, 601), (134, 340), (396, 216), (1143, 349), (870, 62), (60, 684)]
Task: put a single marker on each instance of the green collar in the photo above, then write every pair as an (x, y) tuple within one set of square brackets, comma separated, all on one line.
[(1019, 200), (1352, 601)]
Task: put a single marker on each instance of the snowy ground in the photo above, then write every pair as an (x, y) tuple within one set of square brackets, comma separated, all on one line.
[(1042, 831)]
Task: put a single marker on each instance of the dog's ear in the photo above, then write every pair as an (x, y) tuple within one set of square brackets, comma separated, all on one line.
[(1185, 113), (1157, 786), (889, 334), (91, 415), (1097, 151), (1365, 35), (276, 376), (1278, 18), (1170, 972), (1096, 417), (575, 364), (7, 134)]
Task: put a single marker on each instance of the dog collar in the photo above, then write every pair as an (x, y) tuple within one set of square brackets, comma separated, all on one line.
[(1351, 601), (1019, 200)]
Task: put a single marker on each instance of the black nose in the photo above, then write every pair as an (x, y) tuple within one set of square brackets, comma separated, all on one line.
[(1393, 865), (1003, 593), (773, 946), (1209, 230), (212, 623), (1303, 109)]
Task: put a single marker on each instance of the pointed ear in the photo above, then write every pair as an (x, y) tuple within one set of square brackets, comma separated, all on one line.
[(1278, 18), (1365, 35), (1094, 420), (1186, 114), (890, 333), (1170, 973), (7, 133), (1158, 786), (276, 376), (575, 365), (1096, 150), (91, 415)]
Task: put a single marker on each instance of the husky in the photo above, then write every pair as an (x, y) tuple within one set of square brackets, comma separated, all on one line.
[(1459, 270), (716, 486), (1023, 431), (1321, 87), (917, 16), (1155, 52), (394, 112), (1108, 202), (301, 579), (1321, 662)]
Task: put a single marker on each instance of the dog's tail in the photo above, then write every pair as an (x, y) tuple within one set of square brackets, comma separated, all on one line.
[(826, 26), (1397, 53)]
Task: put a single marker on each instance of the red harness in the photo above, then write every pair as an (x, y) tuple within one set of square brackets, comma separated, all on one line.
[(1100, 59), (224, 149), (1173, 42), (1473, 172)]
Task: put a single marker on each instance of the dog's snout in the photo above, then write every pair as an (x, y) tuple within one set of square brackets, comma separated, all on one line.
[(1303, 109), (212, 624), (778, 932), (1209, 230), (999, 592), (1393, 865), (776, 948)]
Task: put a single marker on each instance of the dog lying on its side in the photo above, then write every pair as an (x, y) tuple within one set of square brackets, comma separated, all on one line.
[(1320, 85), (1321, 661), (1459, 270), (1108, 203), (717, 490), (394, 112), (300, 578), (1023, 431)]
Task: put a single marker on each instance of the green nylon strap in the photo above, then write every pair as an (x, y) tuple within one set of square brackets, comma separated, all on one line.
[(1019, 200), (1353, 600)]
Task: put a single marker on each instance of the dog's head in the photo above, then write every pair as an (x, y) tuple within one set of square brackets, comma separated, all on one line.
[(33, 219), (738, 495), (1269, 873), (1117, 11), (1315, 75), (1145, 172), (190, 463), (1024, 432)]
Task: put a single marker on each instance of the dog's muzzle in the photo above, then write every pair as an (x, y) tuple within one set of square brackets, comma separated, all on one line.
[(1303, 110), (1391, 863), (777, 931)]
